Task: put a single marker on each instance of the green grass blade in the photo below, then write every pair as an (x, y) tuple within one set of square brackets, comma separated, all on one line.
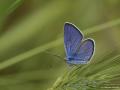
[(28, 54), (7, 8), (103, 26), (32, 25)]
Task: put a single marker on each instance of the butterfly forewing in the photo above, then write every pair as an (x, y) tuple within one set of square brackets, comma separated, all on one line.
[(72, 39)]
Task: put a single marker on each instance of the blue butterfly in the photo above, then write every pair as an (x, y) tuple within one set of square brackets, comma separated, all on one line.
[(78, 50)]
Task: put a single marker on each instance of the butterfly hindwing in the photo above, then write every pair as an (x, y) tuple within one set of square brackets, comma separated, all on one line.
[(85, 52)]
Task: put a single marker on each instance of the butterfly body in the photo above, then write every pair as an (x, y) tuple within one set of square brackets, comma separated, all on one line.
[(72, 60), (78, 50)]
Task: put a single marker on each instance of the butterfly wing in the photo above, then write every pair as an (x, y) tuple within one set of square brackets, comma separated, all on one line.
[(72, 39), (84, 53)]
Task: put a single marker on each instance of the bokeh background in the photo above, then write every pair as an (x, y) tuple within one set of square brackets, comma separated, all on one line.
[(29, 28)]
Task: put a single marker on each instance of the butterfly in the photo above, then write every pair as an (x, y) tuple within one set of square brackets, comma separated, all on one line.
[(78, 50)]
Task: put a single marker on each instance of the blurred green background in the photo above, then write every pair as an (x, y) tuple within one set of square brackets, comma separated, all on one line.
[(30, 27)]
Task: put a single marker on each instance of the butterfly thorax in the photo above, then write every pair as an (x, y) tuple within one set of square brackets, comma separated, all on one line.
[(70, 58)]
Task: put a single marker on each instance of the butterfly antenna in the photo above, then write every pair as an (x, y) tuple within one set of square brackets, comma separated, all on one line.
[(53, 54)]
